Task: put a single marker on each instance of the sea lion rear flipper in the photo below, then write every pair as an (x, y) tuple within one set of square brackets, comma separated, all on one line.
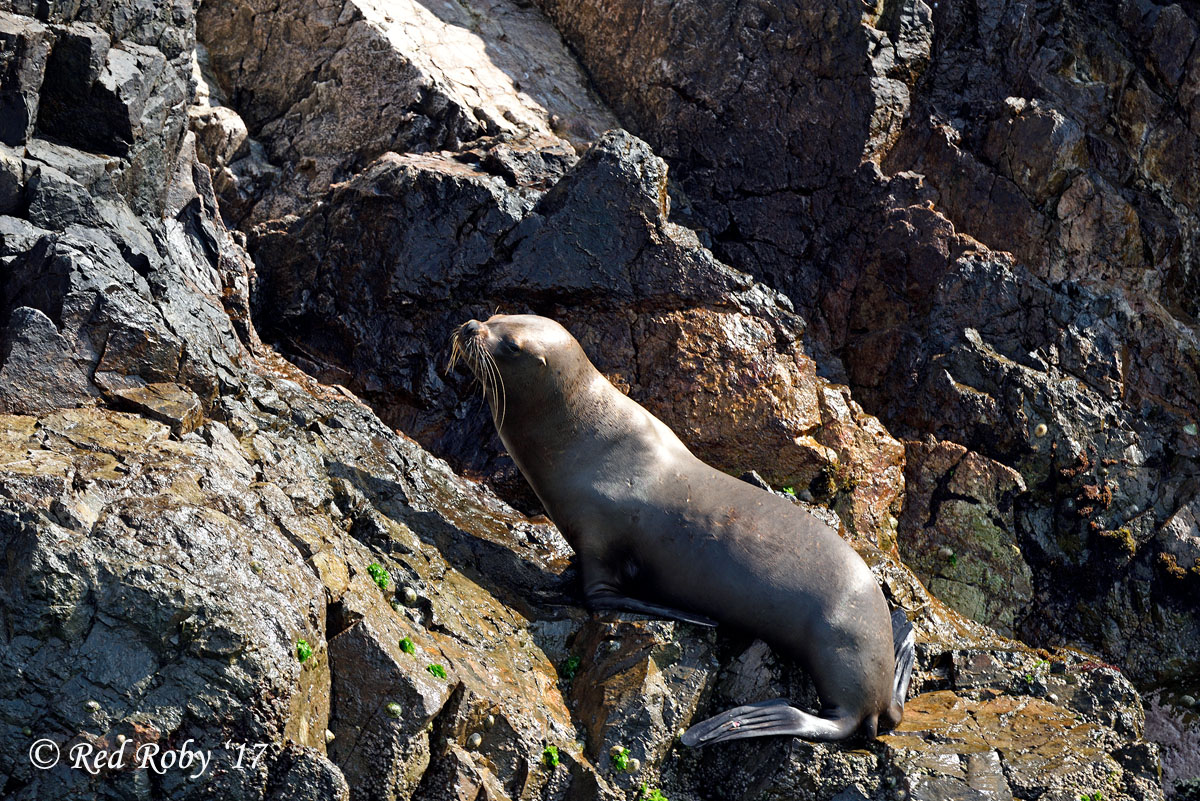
[(903, 639), (765, 719), (610, 600)]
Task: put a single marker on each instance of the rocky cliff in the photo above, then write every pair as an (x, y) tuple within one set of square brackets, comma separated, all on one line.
[(933, 270)]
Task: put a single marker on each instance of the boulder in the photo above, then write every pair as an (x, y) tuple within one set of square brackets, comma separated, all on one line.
[(24, 47), (327, 90)]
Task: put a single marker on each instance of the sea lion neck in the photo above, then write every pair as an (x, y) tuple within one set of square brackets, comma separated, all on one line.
[(567, 400)]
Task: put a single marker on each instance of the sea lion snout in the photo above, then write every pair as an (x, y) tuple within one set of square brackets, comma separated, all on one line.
[(472, 332), (466, 343)]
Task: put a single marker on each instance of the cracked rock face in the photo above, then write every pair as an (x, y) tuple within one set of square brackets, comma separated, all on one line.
[(329, 88), (653, 307), (203, 543)]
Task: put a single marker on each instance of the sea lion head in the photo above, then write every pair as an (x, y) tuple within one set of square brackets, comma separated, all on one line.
[(523, 361)]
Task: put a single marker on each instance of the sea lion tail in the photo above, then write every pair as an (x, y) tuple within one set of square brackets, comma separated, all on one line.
[(903, 641), (767, 718)]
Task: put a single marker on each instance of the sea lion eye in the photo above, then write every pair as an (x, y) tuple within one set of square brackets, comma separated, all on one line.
[(509, 346)]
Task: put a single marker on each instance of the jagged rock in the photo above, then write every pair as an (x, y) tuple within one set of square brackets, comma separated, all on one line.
[(157, 583), (958, 532), (328, 93), (40, 368), (116, 81), (115, 324), (24, 46), (374, 310), (785, 102), (56, 200), (241, 173), (166, 402), (13, 179), (1057, 134)]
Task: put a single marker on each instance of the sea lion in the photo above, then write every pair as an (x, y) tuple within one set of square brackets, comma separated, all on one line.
[(659, 532)]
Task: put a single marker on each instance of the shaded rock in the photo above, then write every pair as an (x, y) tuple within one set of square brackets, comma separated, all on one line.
[(240, 170), (745, 118), (1094, 191), (1174, 724), (24, 47), (94, 95), (39, 368), (1060, 365), (120, 90), (57, 200), (300, 777), (958, 532), (13, 178)]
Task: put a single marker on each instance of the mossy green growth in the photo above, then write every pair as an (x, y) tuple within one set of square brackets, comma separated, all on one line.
[(379, 575), (620, 758), (407, 646), (652, 794), (550, 756), (569, 667), (394, 710), (436, 670), (303, 651), (1096, 796), (790, 491)]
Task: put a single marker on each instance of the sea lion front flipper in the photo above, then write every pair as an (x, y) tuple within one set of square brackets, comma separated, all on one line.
[(599, 600), (768, 718)]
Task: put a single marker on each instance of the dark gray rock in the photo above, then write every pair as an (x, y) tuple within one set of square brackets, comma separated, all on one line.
[(13, 179), (39, 368), (24, 47), (56, 200), (69, 97)]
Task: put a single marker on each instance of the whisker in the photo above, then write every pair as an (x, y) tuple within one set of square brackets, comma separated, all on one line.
[(483, 365), (502, 395), (483, 369)]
